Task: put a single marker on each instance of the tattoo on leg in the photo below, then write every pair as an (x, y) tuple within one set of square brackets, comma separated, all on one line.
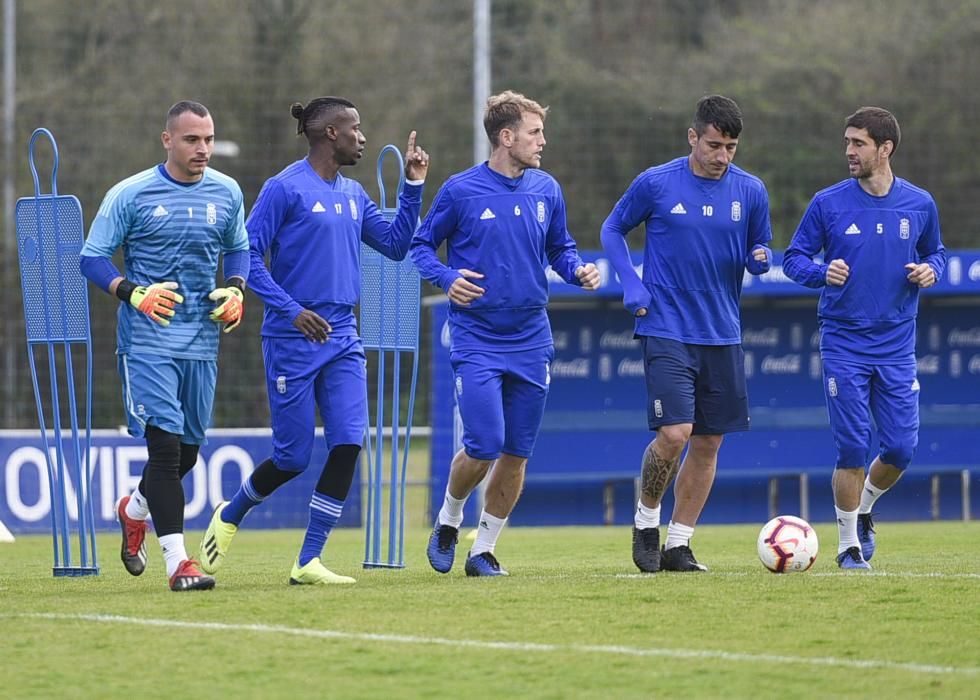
[(657, 473)]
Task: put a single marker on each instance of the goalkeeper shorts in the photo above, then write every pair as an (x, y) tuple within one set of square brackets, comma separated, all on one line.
[(175, 395)]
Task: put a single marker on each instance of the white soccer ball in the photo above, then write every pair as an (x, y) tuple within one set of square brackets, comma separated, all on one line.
[(787, 543)]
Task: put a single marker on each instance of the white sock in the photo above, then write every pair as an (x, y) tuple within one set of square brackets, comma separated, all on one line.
[(137, 508), (451, 512), (173, 551), (678, 535), (487, 533), (869, 494), (847, 529), (646, 518)]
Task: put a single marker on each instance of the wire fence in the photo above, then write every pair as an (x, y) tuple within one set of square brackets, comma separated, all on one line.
[(621, 80)]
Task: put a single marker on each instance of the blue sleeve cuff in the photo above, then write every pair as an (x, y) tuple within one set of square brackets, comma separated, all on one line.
[(237, 264), (98, 270)]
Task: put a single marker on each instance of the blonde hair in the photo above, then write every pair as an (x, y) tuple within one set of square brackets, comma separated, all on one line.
[(505, 111)]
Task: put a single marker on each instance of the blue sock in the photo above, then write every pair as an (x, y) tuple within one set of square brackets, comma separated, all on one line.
[(324, 514), (241, 503)]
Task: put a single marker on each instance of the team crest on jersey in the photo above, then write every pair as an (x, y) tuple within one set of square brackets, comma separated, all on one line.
[(353, 209), (832, 386), (212, 213), (541, 212), (736, 211), (904, 229)]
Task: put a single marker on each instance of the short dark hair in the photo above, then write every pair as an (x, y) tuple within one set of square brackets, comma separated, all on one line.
[(179, 108), (720, 112), (312, 119), (880, 124), (505, 111)]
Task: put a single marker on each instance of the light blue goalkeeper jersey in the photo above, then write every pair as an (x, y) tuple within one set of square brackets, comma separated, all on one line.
[(170, 232), (872, 316)]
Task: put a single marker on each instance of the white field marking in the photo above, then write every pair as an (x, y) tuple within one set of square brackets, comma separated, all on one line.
[(898, 574), (514, 646), (5, 534), (822, 574)]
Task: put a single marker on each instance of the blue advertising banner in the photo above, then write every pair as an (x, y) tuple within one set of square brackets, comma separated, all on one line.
[(962, 277), (117, 462), (595, 426)]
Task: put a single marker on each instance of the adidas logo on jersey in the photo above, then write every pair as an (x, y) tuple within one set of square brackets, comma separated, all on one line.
[(160, 211), (318, 208), (487, 214), (678, 209), (852, 230)]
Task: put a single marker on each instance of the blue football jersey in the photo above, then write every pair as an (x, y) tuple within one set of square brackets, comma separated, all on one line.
[(509, 230), (872, 315), (698, 234), (311, 229), (170, 232)]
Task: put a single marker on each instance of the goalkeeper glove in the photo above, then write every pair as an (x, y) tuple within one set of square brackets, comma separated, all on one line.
[(156, 301), (231, 309)]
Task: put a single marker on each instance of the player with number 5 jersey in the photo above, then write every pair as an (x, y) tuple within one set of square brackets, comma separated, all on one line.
[(879, 239)]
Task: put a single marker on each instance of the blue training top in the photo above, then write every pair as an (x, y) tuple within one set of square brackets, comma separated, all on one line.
[(872, 315), (699, 233), (508, 229), (312, 229), (170, 232)]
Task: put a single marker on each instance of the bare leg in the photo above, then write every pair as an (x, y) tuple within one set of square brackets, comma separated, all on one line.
[(882, 475), (696, 476), (466, 473), (661, 460), (847, 485), (505, 485)]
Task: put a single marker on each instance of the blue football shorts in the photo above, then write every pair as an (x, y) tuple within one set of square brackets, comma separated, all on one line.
[(303, 376), (856, 391), (699, 384), (501, 398), (175, 395)]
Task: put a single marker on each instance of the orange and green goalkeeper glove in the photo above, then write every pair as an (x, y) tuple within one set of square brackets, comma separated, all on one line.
[(156, 301), (231, 308)]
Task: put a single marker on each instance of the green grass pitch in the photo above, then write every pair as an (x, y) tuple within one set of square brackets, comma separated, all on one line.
[(574, 620)]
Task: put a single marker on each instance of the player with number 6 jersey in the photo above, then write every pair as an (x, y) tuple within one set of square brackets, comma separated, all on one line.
[(502, 222)]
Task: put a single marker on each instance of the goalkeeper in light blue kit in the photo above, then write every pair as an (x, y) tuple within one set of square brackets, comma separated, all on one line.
[(707, 222), (503, 221), (879, 239), (173, 222), (310, 220)]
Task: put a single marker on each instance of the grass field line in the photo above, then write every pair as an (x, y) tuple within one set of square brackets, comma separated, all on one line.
[(510, 646), (824, 574)]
